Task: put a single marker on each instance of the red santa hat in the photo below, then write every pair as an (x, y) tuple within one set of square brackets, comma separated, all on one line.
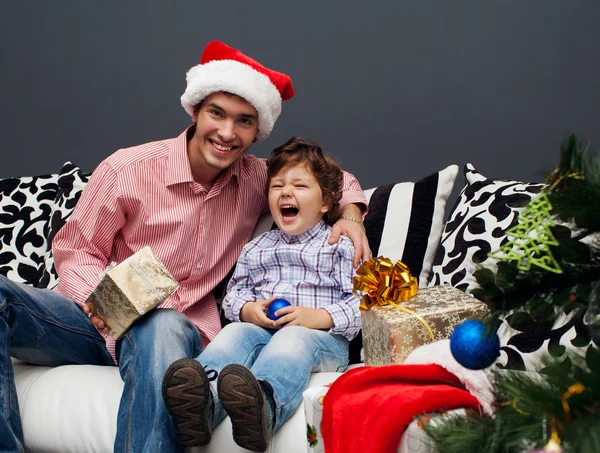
[(223, 68)]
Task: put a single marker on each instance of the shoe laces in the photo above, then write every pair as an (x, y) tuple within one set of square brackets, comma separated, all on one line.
[(211, 374)]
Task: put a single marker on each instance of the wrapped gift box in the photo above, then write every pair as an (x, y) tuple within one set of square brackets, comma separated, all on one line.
[(130, 290), (390, 335), (313, 410)]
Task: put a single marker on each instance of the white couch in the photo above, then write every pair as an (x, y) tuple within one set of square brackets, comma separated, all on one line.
[(73, 408)]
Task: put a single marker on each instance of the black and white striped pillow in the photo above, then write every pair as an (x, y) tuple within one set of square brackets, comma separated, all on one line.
[(405, 220)]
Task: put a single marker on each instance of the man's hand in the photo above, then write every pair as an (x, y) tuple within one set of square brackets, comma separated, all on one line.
[(353, 230), (254, 312), (97, 322), (313, 318)]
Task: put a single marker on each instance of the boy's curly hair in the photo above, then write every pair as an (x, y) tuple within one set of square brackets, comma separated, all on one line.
[(327, 173)]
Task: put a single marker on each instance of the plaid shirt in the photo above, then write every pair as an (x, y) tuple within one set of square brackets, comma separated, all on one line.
[(304, 269)]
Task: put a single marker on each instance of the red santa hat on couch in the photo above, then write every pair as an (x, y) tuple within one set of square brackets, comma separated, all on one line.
[(223, 68)]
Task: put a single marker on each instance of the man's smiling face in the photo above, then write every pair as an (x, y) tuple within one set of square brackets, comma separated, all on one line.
[(226, 126)]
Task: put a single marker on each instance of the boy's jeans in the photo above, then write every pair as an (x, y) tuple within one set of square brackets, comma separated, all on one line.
[(284, 358), (45, 328)]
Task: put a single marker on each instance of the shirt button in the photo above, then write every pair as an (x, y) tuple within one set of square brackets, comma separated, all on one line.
[(198, 265), (286, 265)]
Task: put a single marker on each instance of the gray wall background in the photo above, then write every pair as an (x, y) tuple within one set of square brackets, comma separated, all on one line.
[(395, 90)]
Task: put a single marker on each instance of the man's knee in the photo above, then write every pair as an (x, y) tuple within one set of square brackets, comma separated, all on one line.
[(3, 287), (164, 318), (6, 287), (163, 329), (10, 291)]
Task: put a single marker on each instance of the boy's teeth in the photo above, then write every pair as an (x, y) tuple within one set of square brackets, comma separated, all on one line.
[(289, 211), (222, 148)]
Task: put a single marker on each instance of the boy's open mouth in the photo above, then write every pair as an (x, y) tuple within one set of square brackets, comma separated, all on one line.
[(288, 212)]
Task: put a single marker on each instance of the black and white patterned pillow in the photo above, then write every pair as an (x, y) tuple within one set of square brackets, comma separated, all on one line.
[(405, 222), (71, 182), (25, 207), (527, 338), (477, 225), (485, 210)]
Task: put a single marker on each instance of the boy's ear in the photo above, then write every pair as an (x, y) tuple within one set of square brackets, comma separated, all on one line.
[(326, 204)]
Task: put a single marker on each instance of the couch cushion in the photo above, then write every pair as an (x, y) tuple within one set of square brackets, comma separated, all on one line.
[(405, 220), (73, 409), (25, 207), (477, 225), (485, 210), (71, 182)]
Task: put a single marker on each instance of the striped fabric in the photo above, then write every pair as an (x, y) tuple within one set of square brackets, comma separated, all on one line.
[(304, 270), (405, 222), (146, 195)]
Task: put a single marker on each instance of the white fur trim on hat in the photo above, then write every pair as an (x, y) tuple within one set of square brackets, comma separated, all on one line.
[(236, 78), (477, 382)]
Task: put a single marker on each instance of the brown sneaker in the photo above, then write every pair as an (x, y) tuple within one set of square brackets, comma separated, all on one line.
[(186, 392), (243, 399)]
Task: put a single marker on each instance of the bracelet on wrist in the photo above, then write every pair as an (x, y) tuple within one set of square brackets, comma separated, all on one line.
[(352, 219)]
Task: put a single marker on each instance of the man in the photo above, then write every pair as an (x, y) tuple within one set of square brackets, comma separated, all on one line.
[(195, 200)]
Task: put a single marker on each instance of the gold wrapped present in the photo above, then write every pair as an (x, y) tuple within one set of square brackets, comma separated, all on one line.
[(391, 334), (130, 290)]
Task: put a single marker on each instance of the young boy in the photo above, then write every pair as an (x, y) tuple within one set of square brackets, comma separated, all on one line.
[(263, 366)]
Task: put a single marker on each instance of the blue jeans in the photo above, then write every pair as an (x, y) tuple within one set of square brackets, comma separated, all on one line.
[(45, 328), (284, 358)]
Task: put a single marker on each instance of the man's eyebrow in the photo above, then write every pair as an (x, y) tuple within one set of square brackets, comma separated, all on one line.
[(249, 115), (216, 106), (243, 115)]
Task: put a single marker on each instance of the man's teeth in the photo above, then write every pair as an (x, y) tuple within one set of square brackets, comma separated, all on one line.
[(222, 148)]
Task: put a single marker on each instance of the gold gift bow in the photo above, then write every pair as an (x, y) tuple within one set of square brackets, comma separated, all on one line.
[(382, 283)]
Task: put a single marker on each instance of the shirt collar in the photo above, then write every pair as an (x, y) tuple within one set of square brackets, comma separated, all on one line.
[(307, 236), (178, 163)]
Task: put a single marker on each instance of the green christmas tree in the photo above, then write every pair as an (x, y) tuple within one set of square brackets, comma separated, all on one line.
[(557, 409)]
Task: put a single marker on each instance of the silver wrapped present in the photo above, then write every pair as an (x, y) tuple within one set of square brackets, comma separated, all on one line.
[(130, 290)]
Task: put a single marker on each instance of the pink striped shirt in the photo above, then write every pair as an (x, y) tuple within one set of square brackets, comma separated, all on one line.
[(146, 195)]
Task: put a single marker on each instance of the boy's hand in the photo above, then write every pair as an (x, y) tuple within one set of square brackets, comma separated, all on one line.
[(97, 322), (254, 312), (313, 318)]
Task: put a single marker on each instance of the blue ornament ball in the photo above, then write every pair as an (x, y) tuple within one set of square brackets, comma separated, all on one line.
[(473, 345), (274, 306)]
